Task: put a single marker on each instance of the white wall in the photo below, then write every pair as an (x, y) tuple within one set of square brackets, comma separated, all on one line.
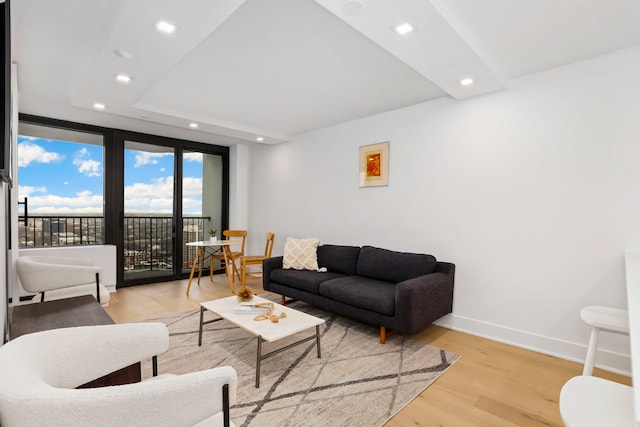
[(238, 188), (533, 192)]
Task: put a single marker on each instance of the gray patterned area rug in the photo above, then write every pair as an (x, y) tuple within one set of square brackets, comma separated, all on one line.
[(356, 382)]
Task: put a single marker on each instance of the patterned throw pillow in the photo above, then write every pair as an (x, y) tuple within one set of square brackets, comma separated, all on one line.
[(301, 254)]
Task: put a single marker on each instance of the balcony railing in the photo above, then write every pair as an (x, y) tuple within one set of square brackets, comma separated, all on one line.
[(148, 240)]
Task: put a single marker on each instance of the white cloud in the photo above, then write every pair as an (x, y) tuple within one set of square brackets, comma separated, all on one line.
[(84, 202), (189, 204), (159, 187), (85, 164), (157, 195), (191, 186), (66, 210), (28, 153), (193, 157), (26, 190), (144, 158), (146, 211)]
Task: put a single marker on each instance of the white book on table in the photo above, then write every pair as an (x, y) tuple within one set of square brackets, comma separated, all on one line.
[(249, 308)]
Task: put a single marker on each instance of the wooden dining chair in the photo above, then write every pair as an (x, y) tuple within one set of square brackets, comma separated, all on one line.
[(236, 251), (256, 259)]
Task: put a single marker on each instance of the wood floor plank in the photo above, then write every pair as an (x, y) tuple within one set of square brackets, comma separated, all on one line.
[(493, 384)]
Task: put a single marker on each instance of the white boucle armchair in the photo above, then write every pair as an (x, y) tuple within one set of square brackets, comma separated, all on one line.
[(39, 373), (57, 277)]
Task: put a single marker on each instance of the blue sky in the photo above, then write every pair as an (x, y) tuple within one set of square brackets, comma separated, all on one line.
[(65, 177)]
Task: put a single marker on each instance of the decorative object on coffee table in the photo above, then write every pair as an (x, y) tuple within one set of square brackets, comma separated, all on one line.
[(245, 294), (270, 315)]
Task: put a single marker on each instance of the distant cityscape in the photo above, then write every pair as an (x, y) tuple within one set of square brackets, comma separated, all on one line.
[(148, 243)]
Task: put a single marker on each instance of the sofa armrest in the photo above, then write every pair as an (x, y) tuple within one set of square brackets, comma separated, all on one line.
[(446, 268), (421, 300), (268, 265)]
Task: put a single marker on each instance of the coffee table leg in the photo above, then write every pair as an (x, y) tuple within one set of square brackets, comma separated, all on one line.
[(201, 325), (258, 360), (318, 339)]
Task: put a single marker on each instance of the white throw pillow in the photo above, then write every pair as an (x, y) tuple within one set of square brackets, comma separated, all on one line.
[(301, 254)]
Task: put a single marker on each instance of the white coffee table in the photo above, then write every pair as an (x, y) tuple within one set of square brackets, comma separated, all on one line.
[(264, 330)]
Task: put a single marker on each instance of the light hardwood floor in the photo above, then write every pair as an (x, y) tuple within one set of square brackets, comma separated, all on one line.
[(493, 384)]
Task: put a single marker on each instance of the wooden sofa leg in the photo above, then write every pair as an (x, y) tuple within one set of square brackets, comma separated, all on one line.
[(284, 300), (384, 334)]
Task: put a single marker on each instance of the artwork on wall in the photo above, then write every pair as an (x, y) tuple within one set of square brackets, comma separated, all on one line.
[(374, 165)]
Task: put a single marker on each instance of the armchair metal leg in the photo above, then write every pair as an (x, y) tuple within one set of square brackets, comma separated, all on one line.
[(98, 287), (154, 365), (42, 296), (225, 406)]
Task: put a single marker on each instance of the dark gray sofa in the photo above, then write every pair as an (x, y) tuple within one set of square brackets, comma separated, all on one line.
[(397, 291)]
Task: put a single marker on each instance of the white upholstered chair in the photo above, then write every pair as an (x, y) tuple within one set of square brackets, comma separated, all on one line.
[(57, 277), (39, 373), (587, 401)]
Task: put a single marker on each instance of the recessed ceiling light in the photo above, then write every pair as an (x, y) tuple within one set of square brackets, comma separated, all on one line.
[(99, 106), (466, 82), (123, 78), (193, 125), (122, 54), (259, 139), (165, 27), (403, 29)]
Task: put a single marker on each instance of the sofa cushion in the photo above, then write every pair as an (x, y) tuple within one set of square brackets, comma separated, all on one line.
[(301, 254), (304, 280), (341, 259), (369, 294), (392, 266)]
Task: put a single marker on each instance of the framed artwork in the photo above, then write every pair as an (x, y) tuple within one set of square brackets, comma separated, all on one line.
[(374, 165)]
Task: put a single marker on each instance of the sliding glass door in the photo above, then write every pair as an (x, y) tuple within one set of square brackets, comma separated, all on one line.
[(175, 192), (201, 200), (148, 210)]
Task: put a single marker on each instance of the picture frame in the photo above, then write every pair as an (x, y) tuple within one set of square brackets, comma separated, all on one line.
[(374, 165)]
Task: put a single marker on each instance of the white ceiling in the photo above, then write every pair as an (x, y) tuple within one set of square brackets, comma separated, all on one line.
[(274, 68)]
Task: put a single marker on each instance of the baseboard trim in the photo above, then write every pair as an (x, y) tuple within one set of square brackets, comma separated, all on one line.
[(608, 360)]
